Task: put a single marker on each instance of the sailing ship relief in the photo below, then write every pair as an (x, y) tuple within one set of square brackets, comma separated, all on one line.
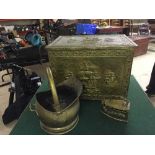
[(89, 76), (93, 79)]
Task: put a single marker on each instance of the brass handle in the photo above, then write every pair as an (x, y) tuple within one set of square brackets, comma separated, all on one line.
[(56, 104)]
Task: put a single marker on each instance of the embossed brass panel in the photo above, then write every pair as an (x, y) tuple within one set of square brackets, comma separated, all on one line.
[(102, 62)]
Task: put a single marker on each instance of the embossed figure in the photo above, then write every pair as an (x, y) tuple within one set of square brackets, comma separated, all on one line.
[(68, 74), (92, 41), (110, 78), (89, 75)]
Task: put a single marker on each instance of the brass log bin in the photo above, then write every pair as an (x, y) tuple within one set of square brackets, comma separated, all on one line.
[(101, 62), (58, 107)]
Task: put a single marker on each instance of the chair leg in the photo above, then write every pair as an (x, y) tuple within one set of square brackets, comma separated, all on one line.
[(8, 73), (5, 84)]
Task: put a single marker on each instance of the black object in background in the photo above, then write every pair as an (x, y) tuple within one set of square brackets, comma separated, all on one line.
[(24, 87), (24, 56), (151, 21), (84, 21), (126, 31), (151, 87)]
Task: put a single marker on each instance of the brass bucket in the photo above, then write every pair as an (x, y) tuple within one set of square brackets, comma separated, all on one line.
[(64, 120)]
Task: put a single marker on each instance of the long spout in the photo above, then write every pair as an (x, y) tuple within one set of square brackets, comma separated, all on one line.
[(56, 103)]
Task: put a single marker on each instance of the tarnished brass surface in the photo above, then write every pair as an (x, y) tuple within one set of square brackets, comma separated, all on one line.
[(62, 130), (102, 63), (60, 122), (116, 107), (55, 98)]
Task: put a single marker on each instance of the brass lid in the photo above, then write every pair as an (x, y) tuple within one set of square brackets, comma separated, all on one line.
[(91, 42)]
